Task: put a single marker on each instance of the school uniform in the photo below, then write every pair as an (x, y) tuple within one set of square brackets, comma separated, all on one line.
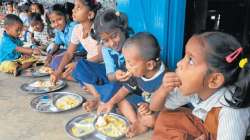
[(9, 57), (146, 86), (212, 117), (96, 74), (62, 39)]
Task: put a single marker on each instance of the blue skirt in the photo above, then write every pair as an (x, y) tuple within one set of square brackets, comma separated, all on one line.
[(95, 74), (56, 60)]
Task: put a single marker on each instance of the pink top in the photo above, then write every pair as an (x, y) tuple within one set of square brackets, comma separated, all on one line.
[(89, 44)]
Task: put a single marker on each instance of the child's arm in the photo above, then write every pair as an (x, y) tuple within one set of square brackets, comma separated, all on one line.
[(169, 83), (28, 51), (67, 57), (120, 95)]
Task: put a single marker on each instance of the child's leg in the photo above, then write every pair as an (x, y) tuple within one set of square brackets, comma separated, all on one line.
[(91, 105), (8, 67), (27, 65), (127, 110), (90, 89)]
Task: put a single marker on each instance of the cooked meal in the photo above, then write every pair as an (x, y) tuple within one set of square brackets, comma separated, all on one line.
[(83, 127), (45, 70), (111, 126), (43, 84), (67, 102)]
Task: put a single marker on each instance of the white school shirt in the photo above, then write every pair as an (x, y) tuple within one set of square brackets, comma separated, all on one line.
[(233, 123), (89, 44)]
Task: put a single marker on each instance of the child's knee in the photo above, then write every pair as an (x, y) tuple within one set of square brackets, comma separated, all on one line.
[(8, 66)]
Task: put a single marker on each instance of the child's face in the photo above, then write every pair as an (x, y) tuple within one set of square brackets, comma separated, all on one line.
[(112, 39), (135, 64), (10, 8), (37, 26), (35, 9), (80, 12), (14, 30), (57, 21), (192, 69)]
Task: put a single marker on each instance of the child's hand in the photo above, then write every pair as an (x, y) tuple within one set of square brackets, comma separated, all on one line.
[(48, 60), (105, 108), (170, 82), (122, 76), (69, 68), (36, 51), (143, 109), (54, 77)]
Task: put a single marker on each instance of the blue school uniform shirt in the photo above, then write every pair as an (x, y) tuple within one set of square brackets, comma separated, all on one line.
[(8, 46), (63, 37), (113, 60), (147, 86)]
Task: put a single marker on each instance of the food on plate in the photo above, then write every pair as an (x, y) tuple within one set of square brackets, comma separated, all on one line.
[(83, 127), (45, 70), (43, 84), (67, 102), (111, 125)]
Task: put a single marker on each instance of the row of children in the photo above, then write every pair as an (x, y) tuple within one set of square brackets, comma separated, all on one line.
[(125, 71)]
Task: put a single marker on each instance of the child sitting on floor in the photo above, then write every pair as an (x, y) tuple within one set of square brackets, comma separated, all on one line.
[(214, 77), (142, 55), (111, 28), (39, 36), (11, 47)]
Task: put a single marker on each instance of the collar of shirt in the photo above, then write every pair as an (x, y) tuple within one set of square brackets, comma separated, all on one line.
[(17, 41), (201, 108)]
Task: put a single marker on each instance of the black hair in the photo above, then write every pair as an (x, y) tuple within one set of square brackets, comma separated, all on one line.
[(219, 46), (10, 3), (35, 17), (40, 6), (63, 10), (93, 5), (24, 7), (109, 21), (146, 43), (11, 19)]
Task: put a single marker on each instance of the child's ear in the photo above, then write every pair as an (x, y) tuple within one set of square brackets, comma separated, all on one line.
[(91, 15), (216, 80), (151, 65)]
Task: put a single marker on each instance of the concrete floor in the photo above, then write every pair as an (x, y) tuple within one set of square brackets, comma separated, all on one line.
[(19, 122)]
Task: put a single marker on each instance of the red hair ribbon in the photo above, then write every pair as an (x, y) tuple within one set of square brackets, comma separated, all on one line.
[(93, 1), (231, 57)]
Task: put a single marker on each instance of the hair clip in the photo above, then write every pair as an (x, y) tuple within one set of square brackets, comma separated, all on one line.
[(157, 59), (243, 63), (117, 13), (231, 57)]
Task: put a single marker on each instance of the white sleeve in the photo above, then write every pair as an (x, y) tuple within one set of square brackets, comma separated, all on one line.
[(233, 123), (75, 36), (175, 100)]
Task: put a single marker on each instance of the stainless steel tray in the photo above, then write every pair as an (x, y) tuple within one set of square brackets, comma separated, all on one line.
[(39, 90), (94, 135), (120, 117), (33, 73), (46, 102)]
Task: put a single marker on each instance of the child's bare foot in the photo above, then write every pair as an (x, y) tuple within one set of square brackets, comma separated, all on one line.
[(136, 129), (85, 89), (148, 120), (90, 105)]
